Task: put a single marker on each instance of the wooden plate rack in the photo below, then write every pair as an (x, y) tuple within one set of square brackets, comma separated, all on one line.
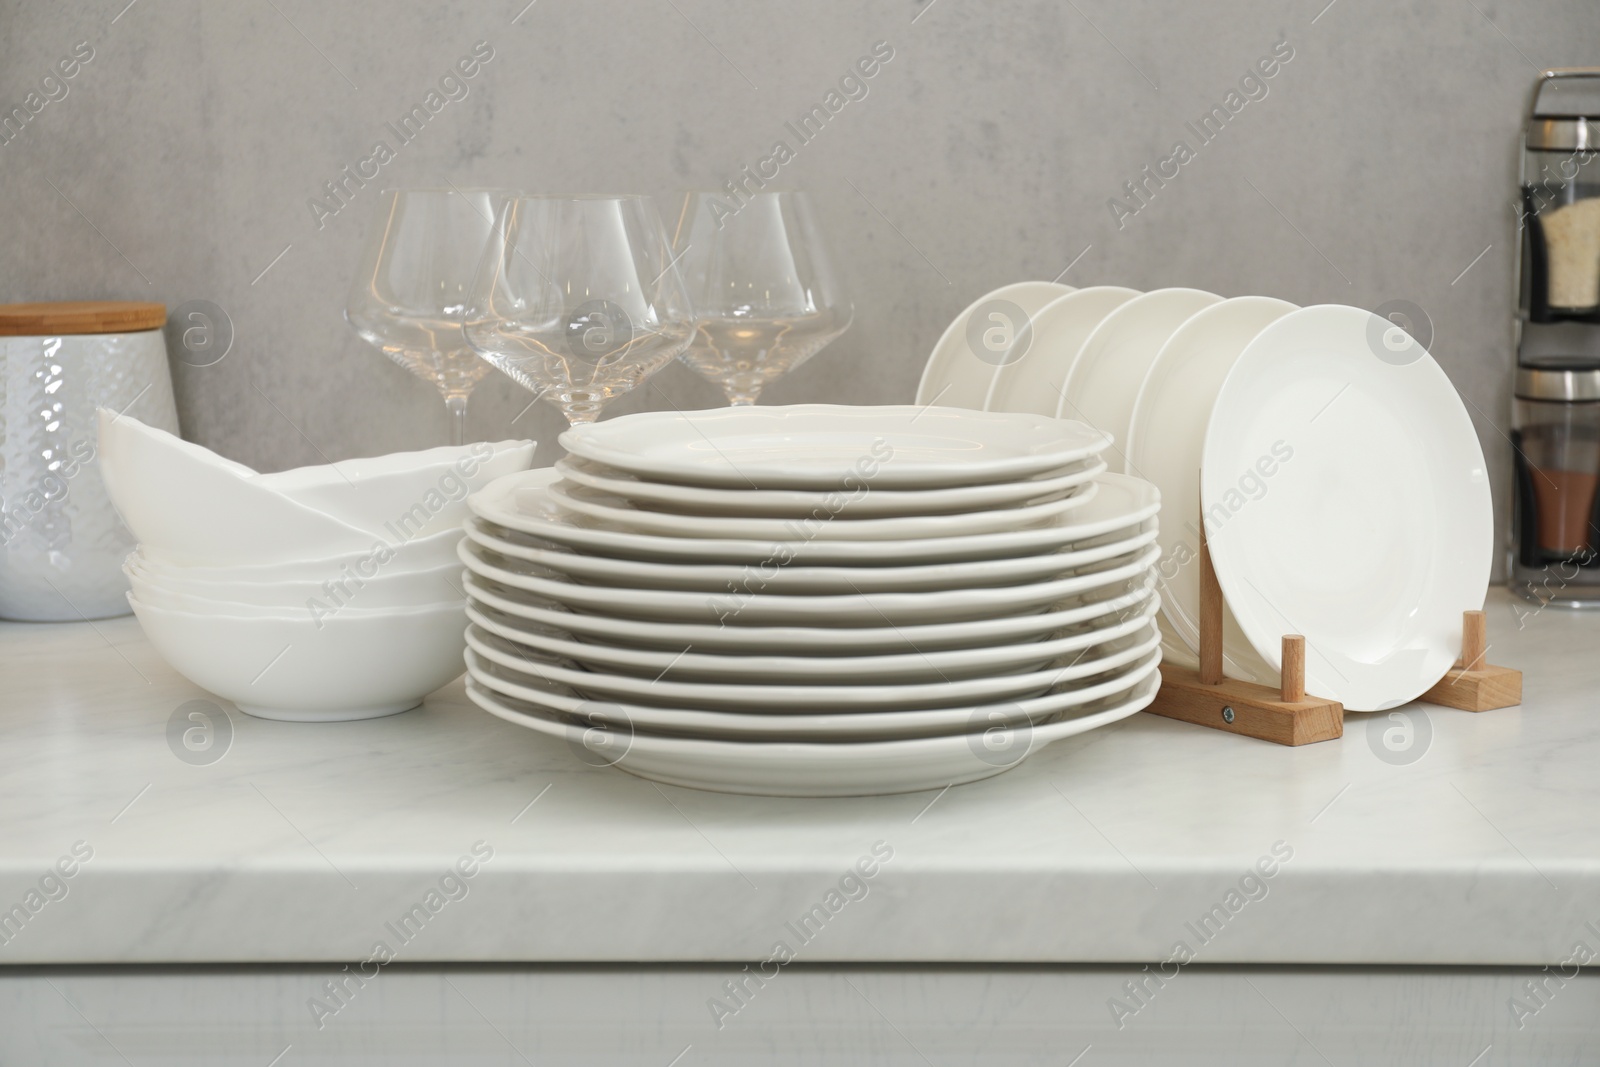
[(1287, 715)]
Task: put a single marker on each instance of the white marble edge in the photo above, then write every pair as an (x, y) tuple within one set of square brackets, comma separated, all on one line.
[(305, 840)]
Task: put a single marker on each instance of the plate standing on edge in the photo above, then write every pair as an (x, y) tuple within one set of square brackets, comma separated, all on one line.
[(1033, 382), (1346, 499), (1110, 367), (990, 331), (1165, 438)]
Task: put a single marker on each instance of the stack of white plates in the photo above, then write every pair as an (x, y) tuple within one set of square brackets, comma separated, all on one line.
[(1344, 491), (815, 600)]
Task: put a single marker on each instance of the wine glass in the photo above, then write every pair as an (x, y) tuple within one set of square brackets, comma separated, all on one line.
[(409, 297), (764, 292), (577, 298)]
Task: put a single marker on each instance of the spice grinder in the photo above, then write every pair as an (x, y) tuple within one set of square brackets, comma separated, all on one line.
[(1555, 529)]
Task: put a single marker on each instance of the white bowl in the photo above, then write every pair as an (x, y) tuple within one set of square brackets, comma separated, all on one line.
[(422, 554), (192, 505), (159, 596), (406, 494), (339, 592), (189, 504), (347, 666)]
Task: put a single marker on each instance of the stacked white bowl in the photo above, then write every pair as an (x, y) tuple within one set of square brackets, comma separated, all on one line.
[(317, 594), (815, 600)]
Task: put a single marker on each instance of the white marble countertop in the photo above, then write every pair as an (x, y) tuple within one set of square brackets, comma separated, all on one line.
[(309, 842)]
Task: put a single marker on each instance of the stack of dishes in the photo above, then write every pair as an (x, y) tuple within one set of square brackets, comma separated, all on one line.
[(1344, 491), (815, 600), (323, 593)]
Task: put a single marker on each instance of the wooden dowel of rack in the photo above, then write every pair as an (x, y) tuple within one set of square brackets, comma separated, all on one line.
[(1206, 697), (1210, 616), (1474, 641), (1473, 684), (1294, 669)]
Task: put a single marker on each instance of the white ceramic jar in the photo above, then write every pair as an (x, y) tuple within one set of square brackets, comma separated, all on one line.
[(61, 543)]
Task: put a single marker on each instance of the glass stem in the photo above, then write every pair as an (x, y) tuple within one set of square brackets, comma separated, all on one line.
[(741, 397), (581, 408), (456, 404)]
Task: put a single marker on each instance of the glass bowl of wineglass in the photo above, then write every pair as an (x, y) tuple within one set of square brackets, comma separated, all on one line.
[(578, 299), (409, 297), (765, 294)]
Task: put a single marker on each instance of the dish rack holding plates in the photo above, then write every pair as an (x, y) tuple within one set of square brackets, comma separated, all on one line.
[(1288, 715), (1357, 565)]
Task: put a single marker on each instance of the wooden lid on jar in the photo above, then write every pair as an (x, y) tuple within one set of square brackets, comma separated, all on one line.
[(83, 316)]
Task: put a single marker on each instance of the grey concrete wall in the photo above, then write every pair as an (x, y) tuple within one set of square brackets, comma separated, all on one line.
[(179, 166)]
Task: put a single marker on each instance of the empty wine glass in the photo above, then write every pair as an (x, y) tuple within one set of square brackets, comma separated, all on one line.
[(577, 298), (765, 295), (412, 290)]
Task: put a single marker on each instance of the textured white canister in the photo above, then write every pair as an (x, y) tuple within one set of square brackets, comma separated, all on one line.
[(61, 543)]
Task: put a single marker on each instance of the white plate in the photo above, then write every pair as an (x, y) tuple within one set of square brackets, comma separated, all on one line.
[(955, 375), (1165, 436), (1105, 377), (553, 699), (828, 525), (797, 503), (532, 696), (1372, 528), (1033, 382), (815, 769), (802, 580), (520, 503), (912, 667), (832, 447), (1105, 604), (1069, 671), (740, 608)]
